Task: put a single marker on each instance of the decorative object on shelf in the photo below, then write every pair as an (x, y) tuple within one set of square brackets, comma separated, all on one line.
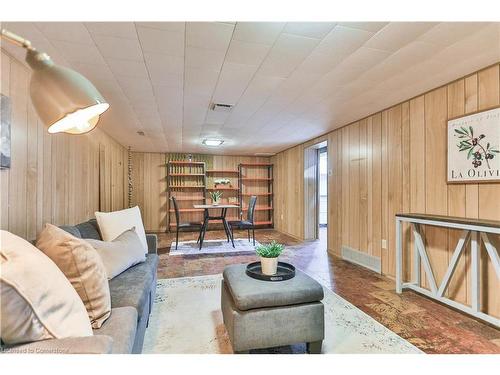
[(269, 256), (222, 181), (64, 100), (473, 148), (216, 196), (284, 271), (5, 145)]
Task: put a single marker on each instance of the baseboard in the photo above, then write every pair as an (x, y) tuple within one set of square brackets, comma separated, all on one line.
[(362, 259)]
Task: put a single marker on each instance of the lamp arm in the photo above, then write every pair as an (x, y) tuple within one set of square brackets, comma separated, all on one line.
[(16, 39)]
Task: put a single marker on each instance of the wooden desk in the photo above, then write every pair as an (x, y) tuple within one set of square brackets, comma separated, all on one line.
[(207, 218), (475, 230)]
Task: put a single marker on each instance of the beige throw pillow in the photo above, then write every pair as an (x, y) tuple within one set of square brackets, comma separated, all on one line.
[(112, 224), (37, 302), (83, 267), (121, 253)]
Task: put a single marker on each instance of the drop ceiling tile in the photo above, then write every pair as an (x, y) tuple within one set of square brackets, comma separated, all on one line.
[(160, 63), (203, 58), (209, 35), (258, 32), (79, 52), (316, 30), (233, 81), (119, 48), (247, 53), (447, 33), (65, 31), (365, 58), (200, 81), (168, 26), (161, 41), (396, 35), (367, 26), (116, 29), (128, 68), (343, 40), (287, 53)]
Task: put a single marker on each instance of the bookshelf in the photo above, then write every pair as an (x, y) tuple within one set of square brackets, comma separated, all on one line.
[(190, 182), (186, 181), (257, 179)]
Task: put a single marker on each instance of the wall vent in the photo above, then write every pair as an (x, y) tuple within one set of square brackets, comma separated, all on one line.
[(140, 132), (361, 259), (221, 107)]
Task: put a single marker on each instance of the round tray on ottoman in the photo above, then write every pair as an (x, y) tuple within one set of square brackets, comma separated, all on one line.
[(285, 272)]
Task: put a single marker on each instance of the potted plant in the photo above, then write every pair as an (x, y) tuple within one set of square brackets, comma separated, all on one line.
[(269, 257), (216, 196)]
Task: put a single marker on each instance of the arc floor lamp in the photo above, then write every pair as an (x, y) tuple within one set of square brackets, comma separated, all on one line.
[(65, 100)]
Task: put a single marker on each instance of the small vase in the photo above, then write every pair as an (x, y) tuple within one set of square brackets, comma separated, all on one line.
[(269, 265), (215, 203)]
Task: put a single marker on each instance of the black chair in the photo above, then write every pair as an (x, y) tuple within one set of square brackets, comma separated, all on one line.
[(182, 226), (249, 222)]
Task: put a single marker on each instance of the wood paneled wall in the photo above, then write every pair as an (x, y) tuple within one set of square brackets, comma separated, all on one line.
[(395, 161), (59, 179), (149, 185)]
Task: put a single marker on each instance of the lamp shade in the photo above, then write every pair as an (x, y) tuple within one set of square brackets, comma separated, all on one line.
[(65, 100)]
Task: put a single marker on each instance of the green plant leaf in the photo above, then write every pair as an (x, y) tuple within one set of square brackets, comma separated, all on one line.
[(272, 250), (469, 154), (471, 131), (495, 151)]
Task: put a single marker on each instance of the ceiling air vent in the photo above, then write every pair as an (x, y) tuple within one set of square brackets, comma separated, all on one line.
[(140, 132), (221, 107)]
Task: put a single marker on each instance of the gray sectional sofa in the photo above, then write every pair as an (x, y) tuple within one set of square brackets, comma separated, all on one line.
[(132, 296)]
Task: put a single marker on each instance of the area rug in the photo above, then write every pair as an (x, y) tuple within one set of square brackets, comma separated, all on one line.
[(186, 318), (213, 247)]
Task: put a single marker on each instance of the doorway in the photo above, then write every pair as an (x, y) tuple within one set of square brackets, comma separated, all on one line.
[(322, 194), (315, 191)]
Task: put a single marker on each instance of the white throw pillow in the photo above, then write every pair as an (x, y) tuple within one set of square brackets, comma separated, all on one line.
[(38, 302), (120, 254), (112, 224)]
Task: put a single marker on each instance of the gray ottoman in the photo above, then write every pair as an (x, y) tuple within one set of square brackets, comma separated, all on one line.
[(261, 314)]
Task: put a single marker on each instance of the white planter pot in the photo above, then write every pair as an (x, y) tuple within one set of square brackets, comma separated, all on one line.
[(269, 265)]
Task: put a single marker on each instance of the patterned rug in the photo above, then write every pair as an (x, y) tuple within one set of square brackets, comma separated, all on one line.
[(186, 318), (213, 247)]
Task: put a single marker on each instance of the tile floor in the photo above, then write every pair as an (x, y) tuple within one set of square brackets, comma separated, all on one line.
[(432, 327)]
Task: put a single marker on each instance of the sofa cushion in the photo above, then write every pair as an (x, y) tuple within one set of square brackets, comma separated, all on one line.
[(82, 266), (37, 301), (132, 287), (89, 229), (120, 254), (249, 293), (112, 224), (121, 327)]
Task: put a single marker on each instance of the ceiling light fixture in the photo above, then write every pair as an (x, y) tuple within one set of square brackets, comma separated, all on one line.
[(64, 100), (212, 142)]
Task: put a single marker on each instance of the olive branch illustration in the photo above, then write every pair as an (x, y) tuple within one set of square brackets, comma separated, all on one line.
[(475, 147)]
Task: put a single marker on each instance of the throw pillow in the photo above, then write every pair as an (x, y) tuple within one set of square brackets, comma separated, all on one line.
[(120, 254), (83, 267), (37, 301), (112, 224)]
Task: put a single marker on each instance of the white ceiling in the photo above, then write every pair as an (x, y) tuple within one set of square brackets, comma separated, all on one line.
[(289, 82)]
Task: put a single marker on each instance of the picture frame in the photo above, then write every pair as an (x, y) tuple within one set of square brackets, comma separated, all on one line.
[(5, 131), (473, 152)]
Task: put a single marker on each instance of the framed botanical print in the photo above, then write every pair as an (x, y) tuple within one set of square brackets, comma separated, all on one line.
[(473, 148)]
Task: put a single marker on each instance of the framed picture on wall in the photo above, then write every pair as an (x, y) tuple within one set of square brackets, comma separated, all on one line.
[(474, 147), (5, 119)]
